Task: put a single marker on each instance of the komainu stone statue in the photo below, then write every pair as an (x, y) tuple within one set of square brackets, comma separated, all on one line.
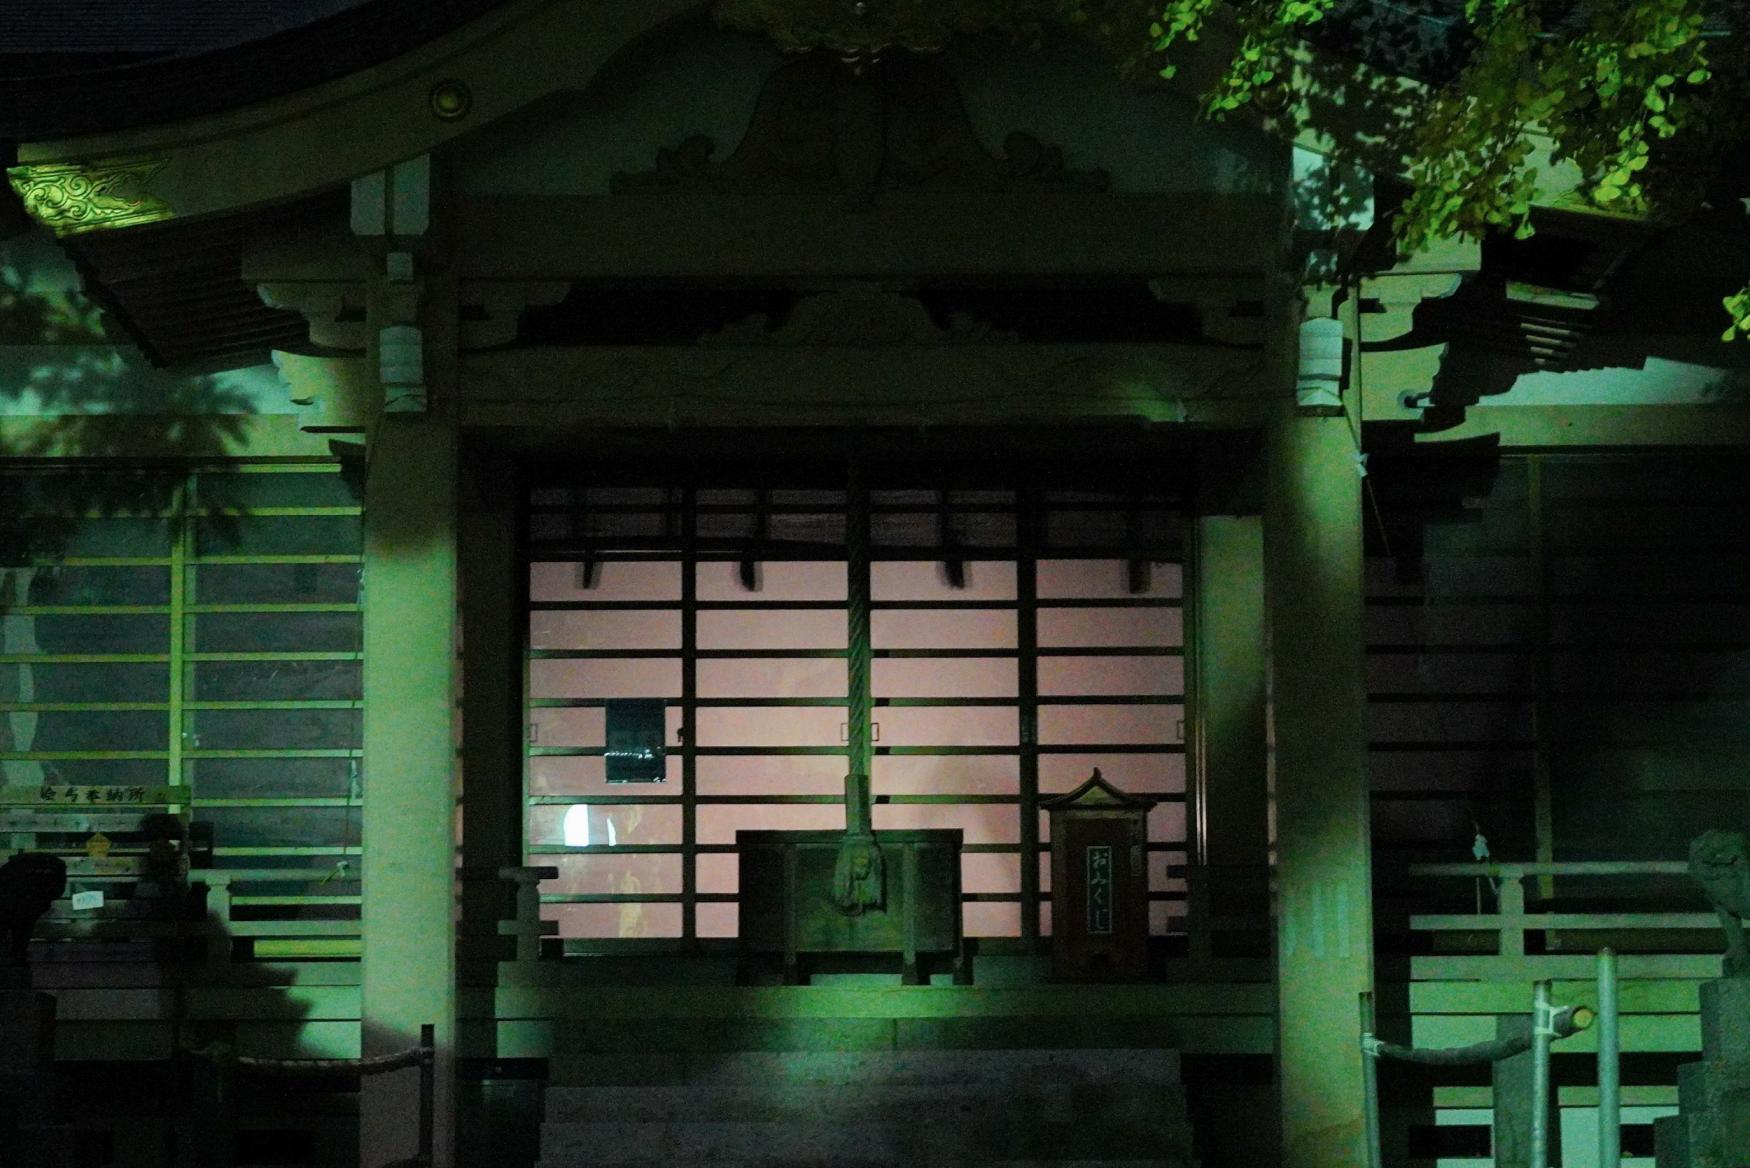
[(1720, 862), (29, 883)]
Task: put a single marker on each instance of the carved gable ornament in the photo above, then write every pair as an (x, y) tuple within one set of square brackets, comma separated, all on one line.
[(70, 198), (820, 126)]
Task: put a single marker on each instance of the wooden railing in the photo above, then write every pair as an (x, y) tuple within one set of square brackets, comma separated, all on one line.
[(1512, 920), (208, 927), (524, 922), (1507, 912), (1211, 924)]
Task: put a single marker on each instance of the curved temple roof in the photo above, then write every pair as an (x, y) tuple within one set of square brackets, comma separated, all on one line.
[(82, 66)]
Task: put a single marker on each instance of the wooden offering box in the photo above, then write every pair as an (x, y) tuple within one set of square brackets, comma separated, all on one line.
[(788, 910)]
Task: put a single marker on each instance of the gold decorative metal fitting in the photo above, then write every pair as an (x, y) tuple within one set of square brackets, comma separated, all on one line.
[(74, 197), (451, 99)]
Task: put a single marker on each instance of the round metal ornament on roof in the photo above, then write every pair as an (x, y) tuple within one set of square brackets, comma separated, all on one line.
[(451, 100)]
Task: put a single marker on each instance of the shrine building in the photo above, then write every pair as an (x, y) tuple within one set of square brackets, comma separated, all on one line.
[(750, 589)]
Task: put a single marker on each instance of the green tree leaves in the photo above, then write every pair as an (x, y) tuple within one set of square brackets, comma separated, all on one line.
[(1602, 84), (1738, 308)]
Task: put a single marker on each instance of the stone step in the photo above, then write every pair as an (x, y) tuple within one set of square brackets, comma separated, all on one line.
[(1010, 1137), (997, 1069), (1131, 1103)]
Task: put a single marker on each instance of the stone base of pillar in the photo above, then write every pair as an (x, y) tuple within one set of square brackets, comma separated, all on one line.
[(1712, 1126)]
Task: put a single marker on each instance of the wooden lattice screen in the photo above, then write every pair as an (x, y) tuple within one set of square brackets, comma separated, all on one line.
[(194, 633), (1020, 637)]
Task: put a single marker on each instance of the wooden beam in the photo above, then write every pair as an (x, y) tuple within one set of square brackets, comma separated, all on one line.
[(788, 236)]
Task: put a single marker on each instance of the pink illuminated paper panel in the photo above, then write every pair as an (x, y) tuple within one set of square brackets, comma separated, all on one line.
[(992, 919), (1166, 823), (1117, 725), (628, 873), (771, 726), (731, 628), (1104, 580), (641, 580), (771, 774), (772, 677), (942, 629), (944, 677), (718, 822), (613, 629), (959, 774), (717, 920), (1110, 676), (599, 921), (618, 677), (928, 580), (568, 726), (982, 823), (608, 824), (990, 872), (948, 726), (717, 872), (1076, 628), (778, 580), (1166, 916), (1158, 864)]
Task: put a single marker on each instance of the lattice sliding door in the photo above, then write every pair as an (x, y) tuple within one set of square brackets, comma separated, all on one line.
[(1018, 639), (196, 634)]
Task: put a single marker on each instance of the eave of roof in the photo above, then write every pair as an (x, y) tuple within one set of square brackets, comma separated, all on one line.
[(166, 88), (177, 288), (152, 27)]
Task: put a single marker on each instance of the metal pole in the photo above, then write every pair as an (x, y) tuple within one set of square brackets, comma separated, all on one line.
[(1542, 1030), (1370, 1081), (1609, 1065)]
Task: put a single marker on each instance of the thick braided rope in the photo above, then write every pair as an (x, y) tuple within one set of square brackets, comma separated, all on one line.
[(411, 1057), (858, 653)]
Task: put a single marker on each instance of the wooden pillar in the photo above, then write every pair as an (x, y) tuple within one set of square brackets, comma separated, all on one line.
[(1313, 556), (493, 729), (409, 753), (1229, 768)]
